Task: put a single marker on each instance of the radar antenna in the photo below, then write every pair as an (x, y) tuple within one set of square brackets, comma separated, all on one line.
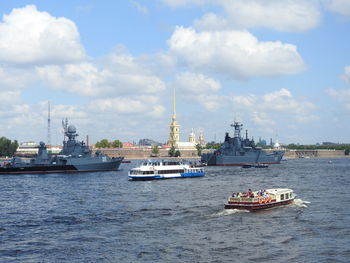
[(48, 124), (238, 128), (65, 128)]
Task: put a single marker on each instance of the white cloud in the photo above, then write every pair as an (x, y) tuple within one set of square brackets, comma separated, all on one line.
[(82, 79), (236, 54), (212, 22), (176, 3), (283, 101), (118, 75), (342, 96), (15, 78), (262, 119), (346, 75), (118, 105), (9, 98), (28, 36), (196, 83), (279, 102), (341, 7), (157, 111), (199, 88), (140, 8), (287, 15), (61, 111), (245, 101), (132, 105)]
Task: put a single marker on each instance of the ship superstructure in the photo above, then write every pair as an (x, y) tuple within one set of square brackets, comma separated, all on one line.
[(240, 151), (75, 156)]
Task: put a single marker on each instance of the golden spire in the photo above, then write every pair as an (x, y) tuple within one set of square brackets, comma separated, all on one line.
[(174, 135), (174, 104)]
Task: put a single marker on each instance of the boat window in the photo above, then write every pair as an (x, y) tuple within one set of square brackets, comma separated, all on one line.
[(287, 196), (135, 172), (171, 163), (282, 196), (291, 195), (148, 172), (170, 171)]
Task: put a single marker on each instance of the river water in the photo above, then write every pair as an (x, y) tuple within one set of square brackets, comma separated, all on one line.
[(104, 217)]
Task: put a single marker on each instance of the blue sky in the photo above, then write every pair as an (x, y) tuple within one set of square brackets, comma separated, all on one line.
[(282, 68)]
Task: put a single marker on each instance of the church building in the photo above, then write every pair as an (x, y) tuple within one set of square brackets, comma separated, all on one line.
[(174, 136)]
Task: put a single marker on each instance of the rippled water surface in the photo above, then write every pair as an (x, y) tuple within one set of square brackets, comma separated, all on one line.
[(103, 217)]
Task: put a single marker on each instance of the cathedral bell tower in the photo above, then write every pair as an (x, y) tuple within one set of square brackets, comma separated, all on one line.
[(192, 137), (174, 135)]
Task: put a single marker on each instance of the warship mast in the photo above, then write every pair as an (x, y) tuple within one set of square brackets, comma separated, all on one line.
[(48, 124)]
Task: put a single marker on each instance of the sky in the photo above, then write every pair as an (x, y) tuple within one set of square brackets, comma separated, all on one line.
[(280, 67)]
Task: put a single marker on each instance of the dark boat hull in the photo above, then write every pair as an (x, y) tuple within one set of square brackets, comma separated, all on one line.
[(238, 151), (257, 206), (45, 169), (251, 158)]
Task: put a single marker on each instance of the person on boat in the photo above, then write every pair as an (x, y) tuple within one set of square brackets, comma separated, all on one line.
[(249, 193), (233, 195)]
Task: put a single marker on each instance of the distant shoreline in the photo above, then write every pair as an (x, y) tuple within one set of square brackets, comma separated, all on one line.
[(139, 154)]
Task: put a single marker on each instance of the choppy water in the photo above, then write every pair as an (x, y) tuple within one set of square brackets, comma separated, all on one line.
[(104, 217)]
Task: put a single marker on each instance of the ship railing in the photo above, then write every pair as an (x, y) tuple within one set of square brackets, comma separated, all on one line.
[(243, 199), (258, 199)]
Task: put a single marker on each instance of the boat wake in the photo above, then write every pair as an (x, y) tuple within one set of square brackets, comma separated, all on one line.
[(300, 203), (228, 212)]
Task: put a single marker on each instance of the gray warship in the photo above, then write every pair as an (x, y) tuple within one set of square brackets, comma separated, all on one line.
[(239, 151), (75, 156)]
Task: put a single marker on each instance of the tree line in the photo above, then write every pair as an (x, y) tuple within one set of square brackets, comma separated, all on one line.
[(104, 143), (7, 147)]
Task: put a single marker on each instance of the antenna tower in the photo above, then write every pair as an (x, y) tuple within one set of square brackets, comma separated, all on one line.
[(48, 124)]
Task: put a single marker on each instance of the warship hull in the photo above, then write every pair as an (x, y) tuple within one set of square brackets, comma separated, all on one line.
[(69, 168), (212, 159), (238, 151), (75, 156)]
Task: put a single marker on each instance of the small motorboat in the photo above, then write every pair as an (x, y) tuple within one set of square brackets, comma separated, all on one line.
[(259, 200)]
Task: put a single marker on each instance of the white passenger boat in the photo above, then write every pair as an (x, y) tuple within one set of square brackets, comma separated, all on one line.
[(164, 169), (262, 199)]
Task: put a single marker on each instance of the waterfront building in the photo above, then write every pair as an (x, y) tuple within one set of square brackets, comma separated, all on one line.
[(192, 137), (32, 148), (201, 140)]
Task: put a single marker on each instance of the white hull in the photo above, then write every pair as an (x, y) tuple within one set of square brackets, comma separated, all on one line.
[(156, 169)]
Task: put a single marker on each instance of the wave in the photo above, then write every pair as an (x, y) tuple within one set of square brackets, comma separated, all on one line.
[(228, 212), (300, 203)]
